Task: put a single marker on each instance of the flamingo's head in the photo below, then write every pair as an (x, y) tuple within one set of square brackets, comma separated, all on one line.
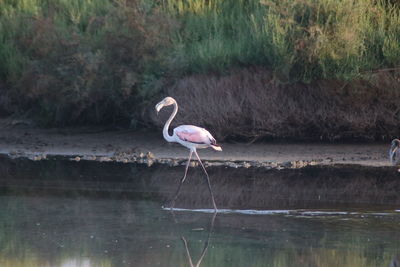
[(393, 148), (165, 102)]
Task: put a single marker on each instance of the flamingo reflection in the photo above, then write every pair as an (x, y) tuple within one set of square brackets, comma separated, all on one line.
[(205, 248), (206, 243)]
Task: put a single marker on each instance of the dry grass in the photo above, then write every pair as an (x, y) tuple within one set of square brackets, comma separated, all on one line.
[(249, 103)]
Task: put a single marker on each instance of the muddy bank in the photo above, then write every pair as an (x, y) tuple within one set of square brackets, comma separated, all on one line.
[(21, 141)]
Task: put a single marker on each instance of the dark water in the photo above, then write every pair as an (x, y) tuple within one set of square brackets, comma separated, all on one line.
[(58, 213)]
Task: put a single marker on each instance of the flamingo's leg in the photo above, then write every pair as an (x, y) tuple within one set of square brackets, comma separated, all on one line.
[(208, 180), (182, 180)]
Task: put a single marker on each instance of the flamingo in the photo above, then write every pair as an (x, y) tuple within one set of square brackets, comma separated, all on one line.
[(394, 152), (189, 136)]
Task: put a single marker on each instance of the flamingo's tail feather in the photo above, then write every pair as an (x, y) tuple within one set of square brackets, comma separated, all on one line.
[(216, 147)]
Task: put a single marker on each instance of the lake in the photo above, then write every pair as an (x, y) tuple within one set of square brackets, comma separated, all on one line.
[(64, 213)]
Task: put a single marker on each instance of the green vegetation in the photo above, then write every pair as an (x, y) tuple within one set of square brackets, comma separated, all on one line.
[(103, 61), (79, 61), (298, 40)]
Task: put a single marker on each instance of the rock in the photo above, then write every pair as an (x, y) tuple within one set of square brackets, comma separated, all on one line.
[(88, 157), (174, 163), (246, 165), (193, 164), (232, 165), (149, 162), (104, 159), (286, 164)]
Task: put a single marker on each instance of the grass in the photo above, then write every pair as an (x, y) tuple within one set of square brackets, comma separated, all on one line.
[(300, 40), (103, 61)]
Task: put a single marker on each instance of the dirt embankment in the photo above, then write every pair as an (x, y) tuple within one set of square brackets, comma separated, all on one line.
[(150, 147), (250, 103)]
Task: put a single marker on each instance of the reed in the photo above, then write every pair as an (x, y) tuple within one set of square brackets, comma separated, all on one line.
[(300, 40)]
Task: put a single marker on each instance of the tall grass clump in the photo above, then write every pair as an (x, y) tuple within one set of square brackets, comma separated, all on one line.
[(80, 61), (300, 40)]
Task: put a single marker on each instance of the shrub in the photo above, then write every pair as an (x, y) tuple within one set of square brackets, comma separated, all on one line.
[(71, 62)]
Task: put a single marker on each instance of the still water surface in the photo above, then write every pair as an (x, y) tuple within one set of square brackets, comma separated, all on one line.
[(58, 213)]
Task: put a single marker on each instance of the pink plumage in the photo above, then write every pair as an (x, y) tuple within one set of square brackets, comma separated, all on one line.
[(194, 134)]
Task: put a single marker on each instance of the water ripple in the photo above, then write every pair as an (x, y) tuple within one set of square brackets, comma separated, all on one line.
[(283, 212)]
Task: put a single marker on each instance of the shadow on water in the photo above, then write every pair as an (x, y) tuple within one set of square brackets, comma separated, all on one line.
[(306, 188), (62, 213)]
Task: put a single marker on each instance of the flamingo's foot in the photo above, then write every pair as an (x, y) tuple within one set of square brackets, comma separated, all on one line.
[(168, 206), (215, 209)]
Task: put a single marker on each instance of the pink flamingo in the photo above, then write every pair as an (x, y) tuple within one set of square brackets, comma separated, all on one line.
[(190, 136)]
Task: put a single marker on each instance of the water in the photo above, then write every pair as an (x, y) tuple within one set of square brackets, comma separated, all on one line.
[(58, 213)]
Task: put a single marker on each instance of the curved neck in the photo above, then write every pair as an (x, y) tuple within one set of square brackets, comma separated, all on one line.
[(166, 135)]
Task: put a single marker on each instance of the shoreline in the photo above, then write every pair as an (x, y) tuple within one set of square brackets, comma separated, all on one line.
[(150, 148)]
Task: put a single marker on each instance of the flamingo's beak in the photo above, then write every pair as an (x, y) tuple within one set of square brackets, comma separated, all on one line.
[(159, 106)]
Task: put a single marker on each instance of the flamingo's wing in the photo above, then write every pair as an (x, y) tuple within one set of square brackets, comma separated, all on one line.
[(211, 138), (194, 134)]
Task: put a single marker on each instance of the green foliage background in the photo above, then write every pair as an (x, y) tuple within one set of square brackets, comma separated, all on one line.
[(102, 61)]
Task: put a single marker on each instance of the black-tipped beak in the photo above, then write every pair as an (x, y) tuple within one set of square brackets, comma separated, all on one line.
[(158, 107)]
